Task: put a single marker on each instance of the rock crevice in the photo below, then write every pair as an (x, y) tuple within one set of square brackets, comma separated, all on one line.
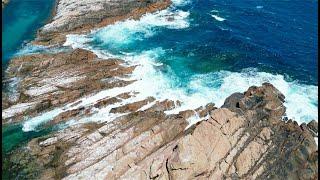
[(233, 143)]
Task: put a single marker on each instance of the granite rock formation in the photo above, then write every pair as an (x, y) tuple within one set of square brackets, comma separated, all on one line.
[(79, 16), (47, 81), (247, 138), (244, 139)]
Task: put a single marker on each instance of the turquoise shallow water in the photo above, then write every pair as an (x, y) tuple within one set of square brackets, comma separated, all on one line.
[(20, 21), (13, 137), (200, 52), (203, 51), (196, 52)]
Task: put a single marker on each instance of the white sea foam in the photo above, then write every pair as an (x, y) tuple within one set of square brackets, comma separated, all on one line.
[(133, 30), (30, 48), (12, 88), (150, 81), (218, 18), (180, 2), (301, 100), (77, 41), (33, 123), (215, 87), (195, 118)]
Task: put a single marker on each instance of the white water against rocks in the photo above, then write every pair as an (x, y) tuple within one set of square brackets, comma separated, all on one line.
[(156, 78)]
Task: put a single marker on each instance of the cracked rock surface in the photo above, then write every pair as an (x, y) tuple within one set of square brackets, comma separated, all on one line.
[(244, 139)]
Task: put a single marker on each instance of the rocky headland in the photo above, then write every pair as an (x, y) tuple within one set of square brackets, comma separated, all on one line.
[(247, 138)]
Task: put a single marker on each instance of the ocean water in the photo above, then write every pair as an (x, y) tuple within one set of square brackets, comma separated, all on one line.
[(20, 21), (200, 52), (203, 51)]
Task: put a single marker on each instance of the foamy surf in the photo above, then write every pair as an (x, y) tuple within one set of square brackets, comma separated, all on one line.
[(33, 123), (206, 88), (131, 30), (180, 2), (151, 81), (30, 48), (301, 101), (218, 18)]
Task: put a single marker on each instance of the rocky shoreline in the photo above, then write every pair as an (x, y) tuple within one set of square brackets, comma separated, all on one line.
[(244, 139), (77, 17)]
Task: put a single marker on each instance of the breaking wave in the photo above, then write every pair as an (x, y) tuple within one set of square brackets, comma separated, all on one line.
[(301, 99)]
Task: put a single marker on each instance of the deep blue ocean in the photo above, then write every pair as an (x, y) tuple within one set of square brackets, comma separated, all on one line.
[(201, 51), (271, 36)]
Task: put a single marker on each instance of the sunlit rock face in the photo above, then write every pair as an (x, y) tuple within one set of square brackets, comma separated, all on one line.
[(245, 139)]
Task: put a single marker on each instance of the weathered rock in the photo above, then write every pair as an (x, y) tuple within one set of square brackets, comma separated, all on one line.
[(81, 16), (313, 125), (254, 145), (147, 144), (132, 107), (245, 139), (164, 105), (52, 80), (67, 115), (232, 102)]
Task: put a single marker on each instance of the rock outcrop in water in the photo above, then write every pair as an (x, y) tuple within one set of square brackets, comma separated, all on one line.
[(74, 16), (244, 139), (47, 81), (134, 137)]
